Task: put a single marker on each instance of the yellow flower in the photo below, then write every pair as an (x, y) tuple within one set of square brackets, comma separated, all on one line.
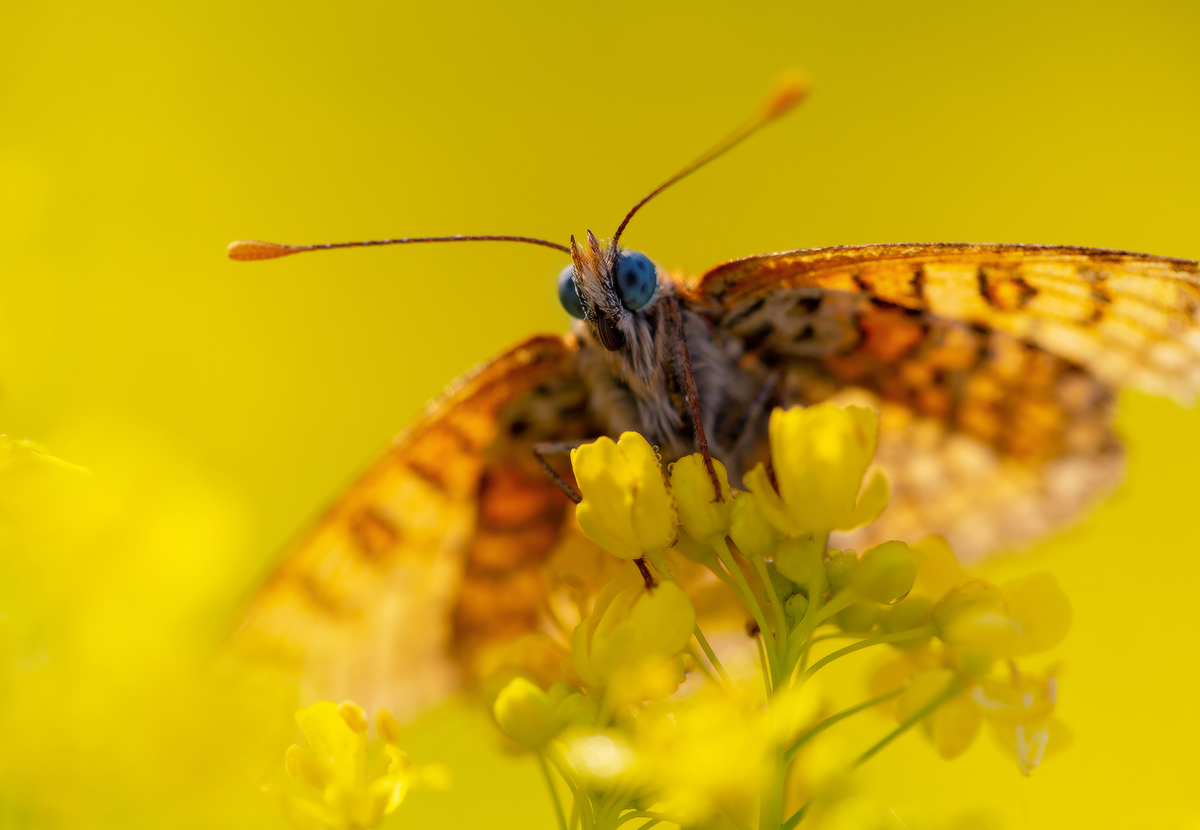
[(939, 570), (356, 787), (626, 507), (706, 756), (631, 632), (954, 724), (1020, 708), (703, 516), (820, 455), (1025, 617)]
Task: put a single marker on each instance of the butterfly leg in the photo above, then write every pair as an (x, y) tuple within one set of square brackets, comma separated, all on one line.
[(737, 434), (543, 448), (691, 397)]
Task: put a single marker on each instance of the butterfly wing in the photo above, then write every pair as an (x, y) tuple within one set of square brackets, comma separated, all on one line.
[(994, 366), (434, 552)]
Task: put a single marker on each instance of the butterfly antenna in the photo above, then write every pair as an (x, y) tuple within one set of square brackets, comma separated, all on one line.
[(790, 89), (246, 250)]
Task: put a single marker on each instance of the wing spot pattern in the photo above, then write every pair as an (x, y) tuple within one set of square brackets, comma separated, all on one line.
[(375, 535)]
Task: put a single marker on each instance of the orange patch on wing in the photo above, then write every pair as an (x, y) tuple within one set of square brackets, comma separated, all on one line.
[(890, 333)]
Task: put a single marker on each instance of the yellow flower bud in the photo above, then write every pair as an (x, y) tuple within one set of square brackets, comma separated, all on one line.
[(525, 713), (796, 607), (702, 516), (965, 600), (820, 455), (886, 572), (840, 567), (861, 616), (802, 561), (631, 626), (626, 508), (749, 528)]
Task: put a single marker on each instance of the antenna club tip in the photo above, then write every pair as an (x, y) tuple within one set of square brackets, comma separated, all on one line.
[(790, 88), (247, 250)]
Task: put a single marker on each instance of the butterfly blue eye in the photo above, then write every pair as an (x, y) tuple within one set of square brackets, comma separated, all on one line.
[(567, 293), (636, 279)]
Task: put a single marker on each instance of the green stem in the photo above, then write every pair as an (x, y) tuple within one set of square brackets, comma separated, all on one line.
[(764, 661), (581, 810), (641, 814), (659, 560), (712, 657), (558, 810), (952, 688), (911, 634), (781, 627), (813, 617), (838, 603), (836, 718), (804, 628), (796, 818), (748, 598), (806, 652), (770, 811)]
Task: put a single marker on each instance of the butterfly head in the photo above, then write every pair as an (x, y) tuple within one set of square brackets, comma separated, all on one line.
[(609, 289)]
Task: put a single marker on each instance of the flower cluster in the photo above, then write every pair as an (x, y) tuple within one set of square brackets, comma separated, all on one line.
[(627, 742), (348, 782)]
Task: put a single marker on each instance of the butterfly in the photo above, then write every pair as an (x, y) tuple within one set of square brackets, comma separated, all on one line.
[(994, 369)]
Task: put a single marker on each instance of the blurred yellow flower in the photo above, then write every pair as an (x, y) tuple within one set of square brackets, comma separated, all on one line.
[(600, 758), (954, 723), (354, 787), (1025, 617), (1020, 708), (819, 455), (708, 756), (629, 636), (626, 506), (525, 713)]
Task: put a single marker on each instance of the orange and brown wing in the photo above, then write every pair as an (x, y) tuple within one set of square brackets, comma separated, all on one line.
[(434, 552), (994, 366)]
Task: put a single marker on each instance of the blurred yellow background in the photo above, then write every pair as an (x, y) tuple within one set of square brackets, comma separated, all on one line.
[(230, 401)]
